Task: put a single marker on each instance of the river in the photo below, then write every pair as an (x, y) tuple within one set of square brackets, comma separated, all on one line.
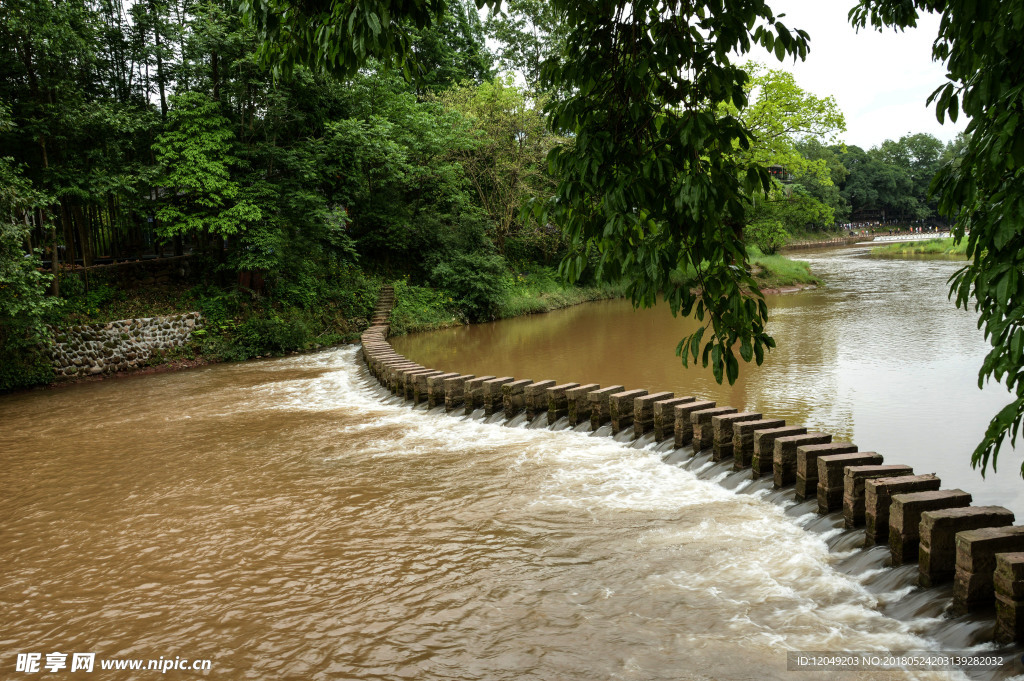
[(285, 519), (877, 356)]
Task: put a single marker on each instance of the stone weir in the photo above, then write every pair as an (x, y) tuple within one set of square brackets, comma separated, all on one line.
[(976, 548)]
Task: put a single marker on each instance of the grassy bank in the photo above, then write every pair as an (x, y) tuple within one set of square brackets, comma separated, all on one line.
[(777, 271), (539, 289), (929, 247), (328, 310)]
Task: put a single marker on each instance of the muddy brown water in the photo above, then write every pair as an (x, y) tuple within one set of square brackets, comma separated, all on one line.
[(285, 520), (878, 356)]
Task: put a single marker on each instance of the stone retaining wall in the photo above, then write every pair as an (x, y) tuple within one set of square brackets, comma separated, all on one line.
[(90, 349), (977, 549)]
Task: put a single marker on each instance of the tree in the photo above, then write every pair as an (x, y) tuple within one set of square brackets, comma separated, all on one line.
[(23, 301), (983, 194), (528, 33), (650, 179), (195, 158), (781, 114), (507, 161)]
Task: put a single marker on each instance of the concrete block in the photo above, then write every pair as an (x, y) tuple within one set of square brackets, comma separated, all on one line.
[(665, 417), (974, 584), (474, 393), (683, 425), (513, 396), (407, 381), (807, 465), (435, 388), (621, 408), (853, 488), (762, 463), (643, 411), (743, 439), (878, 497), (784, 455), (536, 396), (832, 476), (419, 387), (558, 403), (600, 409), (494, 400), (578, 402), (905, 519), (700, 421), (721, 432), (454, 390), (938, 530), (1009, 589)]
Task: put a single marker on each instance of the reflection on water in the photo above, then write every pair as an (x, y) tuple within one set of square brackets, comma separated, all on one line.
[(280, 519), (878, 356)]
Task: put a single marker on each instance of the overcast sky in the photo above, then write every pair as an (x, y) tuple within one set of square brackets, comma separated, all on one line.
[(880, 80)]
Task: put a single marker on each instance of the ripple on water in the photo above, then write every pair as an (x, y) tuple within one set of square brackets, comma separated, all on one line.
[(298, 527)]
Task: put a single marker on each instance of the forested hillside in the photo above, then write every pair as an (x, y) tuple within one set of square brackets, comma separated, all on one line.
[(281, 200)]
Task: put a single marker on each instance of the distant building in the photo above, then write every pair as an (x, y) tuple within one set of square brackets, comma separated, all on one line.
[(781, 174)]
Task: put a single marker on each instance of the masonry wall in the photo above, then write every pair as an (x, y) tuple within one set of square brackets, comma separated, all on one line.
[(90, 349)]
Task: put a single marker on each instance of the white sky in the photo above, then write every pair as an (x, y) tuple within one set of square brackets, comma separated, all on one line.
[(881, 81)]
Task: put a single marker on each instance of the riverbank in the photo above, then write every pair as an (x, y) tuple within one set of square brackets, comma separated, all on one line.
[(240, 324), (930, 247)]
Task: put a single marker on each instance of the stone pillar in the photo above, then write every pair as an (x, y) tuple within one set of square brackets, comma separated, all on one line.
[(536, 395), (558, 404), (905, 519), (973, 585), (721, 432), (807, 466), (784, 455), (878, 497), (1009, 588), (762, 462), (420, 385), (643, 412), (435, 388), (621, 408), (454, 392), (493, 399), (409, 378), (394, 375), (578, 402), (684, 427), (700, 422), (665, 417), (853, 488), (600, 412), (939, 530), (832, 476), (513, 397), (474, 393), (743, 439)]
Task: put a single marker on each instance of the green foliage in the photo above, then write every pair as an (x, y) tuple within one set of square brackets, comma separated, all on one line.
[(652, 178), (195, 161), (929, 247), (769, 235), (506, 158), (778, 270), (418, 308), (983, 193), (780, 115), (23, 302), (473, 280), (528, 33), (540, 289)]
